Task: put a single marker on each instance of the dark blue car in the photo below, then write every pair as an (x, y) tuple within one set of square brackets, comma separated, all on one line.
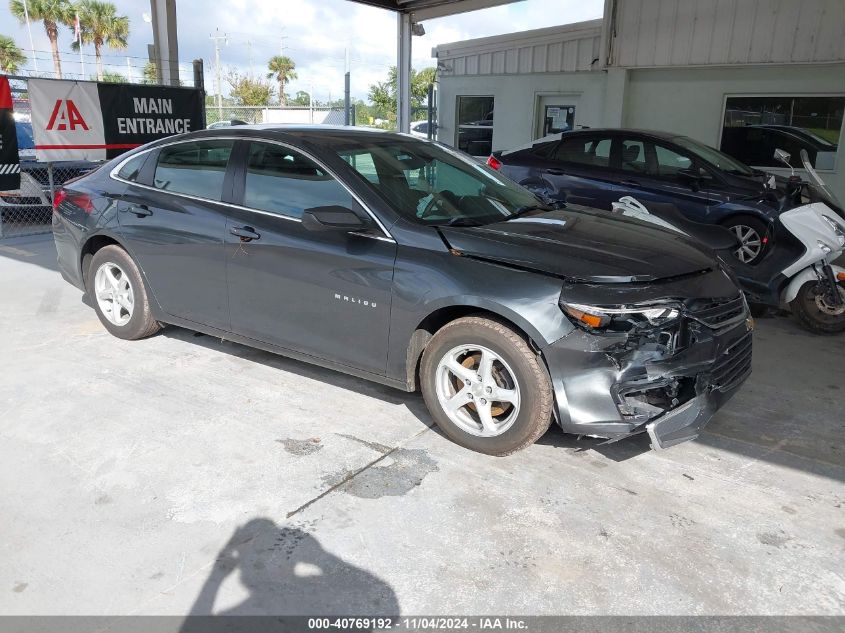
[(596, 167)]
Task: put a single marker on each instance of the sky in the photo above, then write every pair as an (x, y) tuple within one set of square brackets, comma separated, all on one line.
[(314, 33)]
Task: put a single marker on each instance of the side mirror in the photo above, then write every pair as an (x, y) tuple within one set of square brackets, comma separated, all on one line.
[(332, 218), (691, 177), (782, 157)]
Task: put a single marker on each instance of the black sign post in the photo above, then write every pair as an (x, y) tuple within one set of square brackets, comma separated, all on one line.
[(10, 165)]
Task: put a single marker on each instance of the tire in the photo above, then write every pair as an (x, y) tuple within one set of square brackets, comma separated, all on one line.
[(818, 319), (130, 323), (740, 225), (516, 372)]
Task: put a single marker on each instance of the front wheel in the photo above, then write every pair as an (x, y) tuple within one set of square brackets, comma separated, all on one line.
[(485, 387), (815, 310)]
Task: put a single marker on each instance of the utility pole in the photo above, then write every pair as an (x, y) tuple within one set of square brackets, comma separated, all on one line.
[(217, 39), (29, 30), (347, 101), (311, 103)]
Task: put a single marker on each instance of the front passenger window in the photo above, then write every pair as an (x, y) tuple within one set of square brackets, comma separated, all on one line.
[(670, 162), (196, 168), (283, 181)]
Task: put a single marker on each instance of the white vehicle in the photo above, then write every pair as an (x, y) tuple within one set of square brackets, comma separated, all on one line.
[(420, 129), (798, 271)]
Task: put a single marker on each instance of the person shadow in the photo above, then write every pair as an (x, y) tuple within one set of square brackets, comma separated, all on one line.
[(286, 572)]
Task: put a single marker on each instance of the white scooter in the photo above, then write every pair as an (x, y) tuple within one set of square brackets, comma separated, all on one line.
[(797, 272)]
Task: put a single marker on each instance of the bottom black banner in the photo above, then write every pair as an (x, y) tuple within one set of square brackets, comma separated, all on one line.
[(528, 624)]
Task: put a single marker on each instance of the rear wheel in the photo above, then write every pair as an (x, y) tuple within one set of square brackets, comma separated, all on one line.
[(815, 310), (115, 286), (484, 386), (751, 233)]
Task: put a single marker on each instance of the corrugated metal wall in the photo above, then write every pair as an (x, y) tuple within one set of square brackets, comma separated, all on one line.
[(552, 50), (702, 32)]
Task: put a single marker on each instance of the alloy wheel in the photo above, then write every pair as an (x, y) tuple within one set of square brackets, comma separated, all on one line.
[(114, 293), (478, 390), (751, 243)]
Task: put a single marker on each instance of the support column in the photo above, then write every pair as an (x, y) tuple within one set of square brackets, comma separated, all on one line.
[(403, 73), (165, 41), (615, 97)]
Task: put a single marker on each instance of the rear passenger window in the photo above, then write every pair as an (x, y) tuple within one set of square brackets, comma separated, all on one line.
[(584, 151), (196, 168), (132, 168), (283, 181)]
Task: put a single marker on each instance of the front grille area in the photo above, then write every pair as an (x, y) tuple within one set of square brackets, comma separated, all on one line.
[(715, 314), (733, 365)]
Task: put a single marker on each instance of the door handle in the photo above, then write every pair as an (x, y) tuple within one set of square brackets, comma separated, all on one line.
[(629, 183), (554, 171), (246, 233), (139, 210)]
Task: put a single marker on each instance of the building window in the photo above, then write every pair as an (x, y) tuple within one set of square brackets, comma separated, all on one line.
[(754, 127), (475, 125)]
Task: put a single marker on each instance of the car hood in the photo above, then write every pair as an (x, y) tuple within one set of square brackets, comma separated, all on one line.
[(583, 245)]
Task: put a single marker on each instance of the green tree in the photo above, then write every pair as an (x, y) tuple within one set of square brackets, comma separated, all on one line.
[(247, 90), (101, 25), (383, 94), (52, 13), (301, 99), (11, 55), (110, 78), (283, 68), (150, 73)]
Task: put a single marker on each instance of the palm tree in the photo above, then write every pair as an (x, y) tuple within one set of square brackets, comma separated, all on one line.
[(52, 13), (11, 55), (100, 25), (283, 69)]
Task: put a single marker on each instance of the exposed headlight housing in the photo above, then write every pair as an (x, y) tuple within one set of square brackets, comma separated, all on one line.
[(837, 229), (620, 318)]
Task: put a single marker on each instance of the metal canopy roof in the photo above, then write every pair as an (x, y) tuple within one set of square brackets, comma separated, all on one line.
[(429, 9)]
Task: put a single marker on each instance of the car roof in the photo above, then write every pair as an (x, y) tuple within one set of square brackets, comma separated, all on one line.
[(617, 131), (288, 132)]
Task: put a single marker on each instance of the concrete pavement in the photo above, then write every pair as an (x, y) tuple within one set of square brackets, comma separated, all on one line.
[(182, 474)]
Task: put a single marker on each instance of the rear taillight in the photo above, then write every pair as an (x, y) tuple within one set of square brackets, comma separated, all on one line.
[(58, 198), (80, 200), (494, 163)]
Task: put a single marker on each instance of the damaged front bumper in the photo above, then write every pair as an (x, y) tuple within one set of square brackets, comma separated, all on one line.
[(668, 384)]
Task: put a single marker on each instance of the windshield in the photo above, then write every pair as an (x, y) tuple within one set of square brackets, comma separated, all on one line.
[(817, 185), (432, 184), (24, 134), (714, 157)]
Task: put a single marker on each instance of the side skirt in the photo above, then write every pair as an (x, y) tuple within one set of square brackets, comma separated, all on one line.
[(281, 351)]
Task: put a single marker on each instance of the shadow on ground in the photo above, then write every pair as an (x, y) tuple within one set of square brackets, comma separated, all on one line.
[(285, 571)]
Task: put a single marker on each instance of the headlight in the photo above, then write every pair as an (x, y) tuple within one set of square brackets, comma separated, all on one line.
[(840, 234), (620, 318)]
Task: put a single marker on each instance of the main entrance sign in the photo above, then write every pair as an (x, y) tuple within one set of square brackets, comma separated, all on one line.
[(81, 120)]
